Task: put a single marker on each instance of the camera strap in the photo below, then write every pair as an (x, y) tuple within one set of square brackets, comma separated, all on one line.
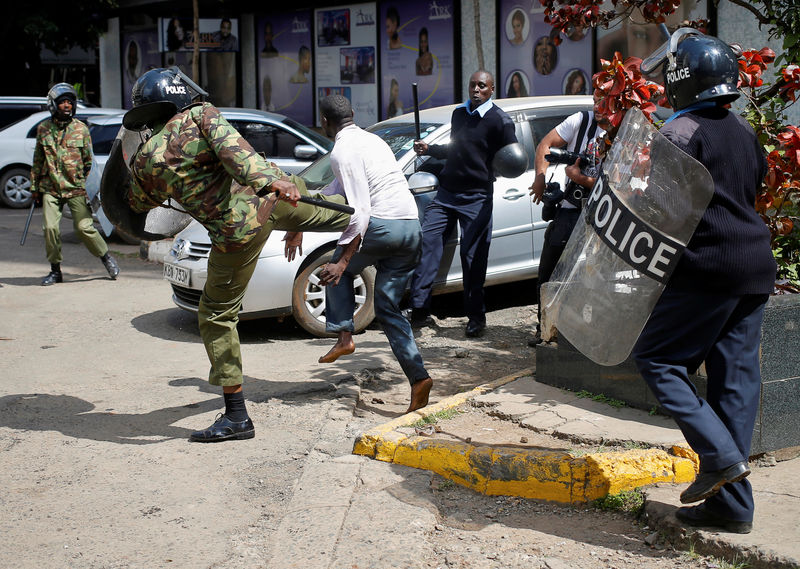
[(572, 188)]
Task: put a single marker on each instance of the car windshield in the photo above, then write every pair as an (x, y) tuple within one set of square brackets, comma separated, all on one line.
[(399, 136), (103, 136)]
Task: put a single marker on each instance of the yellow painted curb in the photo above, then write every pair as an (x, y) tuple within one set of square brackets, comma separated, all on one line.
[(499, 470)]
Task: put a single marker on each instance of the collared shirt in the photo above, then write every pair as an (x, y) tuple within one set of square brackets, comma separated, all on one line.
[(482, 109), (370, 177)]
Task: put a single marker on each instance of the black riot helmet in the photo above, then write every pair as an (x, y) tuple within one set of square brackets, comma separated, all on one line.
[(695, 68), (158, 95), (56, 95)]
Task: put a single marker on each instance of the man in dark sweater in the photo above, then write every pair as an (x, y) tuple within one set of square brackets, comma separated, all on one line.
[(712, 308), (478, 130)]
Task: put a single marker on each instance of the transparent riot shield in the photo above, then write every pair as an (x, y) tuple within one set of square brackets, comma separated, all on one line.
[(640, 215), (158, 223)]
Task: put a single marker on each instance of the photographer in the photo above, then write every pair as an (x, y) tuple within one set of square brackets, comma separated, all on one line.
[(563, 205)]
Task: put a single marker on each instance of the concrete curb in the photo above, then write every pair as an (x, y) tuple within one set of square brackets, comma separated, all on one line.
[(528, 473)]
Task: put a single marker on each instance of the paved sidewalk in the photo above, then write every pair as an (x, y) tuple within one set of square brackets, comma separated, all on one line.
[(581, 450)]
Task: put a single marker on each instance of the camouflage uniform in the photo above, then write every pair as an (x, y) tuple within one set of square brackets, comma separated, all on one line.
[(61, 162), (202, 162)]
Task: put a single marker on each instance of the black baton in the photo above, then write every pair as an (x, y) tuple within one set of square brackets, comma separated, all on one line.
[(416, 108), (27, 223), (320, 203)]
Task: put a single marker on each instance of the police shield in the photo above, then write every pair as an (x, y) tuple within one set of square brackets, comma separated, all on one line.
[(640, 215), (159, 222)]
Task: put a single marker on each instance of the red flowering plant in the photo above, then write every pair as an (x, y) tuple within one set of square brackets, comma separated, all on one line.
[(620, 86)]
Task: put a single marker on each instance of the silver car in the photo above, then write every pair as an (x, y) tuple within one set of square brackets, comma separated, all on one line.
[(280, 288)]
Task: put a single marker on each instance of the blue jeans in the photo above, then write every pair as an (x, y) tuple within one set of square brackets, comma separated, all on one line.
[(392, 246), (689, 328)]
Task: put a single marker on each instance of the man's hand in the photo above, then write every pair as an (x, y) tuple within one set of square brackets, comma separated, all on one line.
[(573, 171), (420, 147), (537, 188), (331, 274), (286, 191), (294, 241), (36, 197)]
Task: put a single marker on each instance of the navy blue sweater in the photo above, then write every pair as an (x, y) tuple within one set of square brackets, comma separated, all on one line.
[(474, 140), (730, 249)]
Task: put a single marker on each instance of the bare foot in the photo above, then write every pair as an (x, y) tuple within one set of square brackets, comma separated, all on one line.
[(419, 394), (338, 349)]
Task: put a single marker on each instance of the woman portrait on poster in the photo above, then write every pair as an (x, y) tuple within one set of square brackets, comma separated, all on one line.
[(392, 27), (395, 106), (425, 60), (517, 85), (575, 83), (175, 35), (545, 55), (517, 27)]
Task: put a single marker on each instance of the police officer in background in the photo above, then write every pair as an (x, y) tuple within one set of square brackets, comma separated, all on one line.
[(61, 162), (578, 133), (195, 157), (479, 130), (713, 305)]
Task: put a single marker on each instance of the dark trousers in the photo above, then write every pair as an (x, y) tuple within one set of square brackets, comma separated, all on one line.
[(473, 212), (555, 241), (724, 331)]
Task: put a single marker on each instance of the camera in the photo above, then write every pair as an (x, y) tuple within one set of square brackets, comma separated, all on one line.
[(561, 156), (551, 197)]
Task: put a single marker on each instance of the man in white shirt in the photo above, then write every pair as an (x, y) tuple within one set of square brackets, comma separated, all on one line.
[(578, 133), (384, 231)]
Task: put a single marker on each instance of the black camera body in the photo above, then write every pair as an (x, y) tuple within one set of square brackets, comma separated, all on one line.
[(561, 156), (551, 197)]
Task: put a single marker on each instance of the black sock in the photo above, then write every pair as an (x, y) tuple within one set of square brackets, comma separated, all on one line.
[(235, 408), (55, 267)]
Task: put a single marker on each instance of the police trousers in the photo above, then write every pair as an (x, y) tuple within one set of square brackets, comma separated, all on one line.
[(392, 246), (686, 329), (81, 222), (229, 274)]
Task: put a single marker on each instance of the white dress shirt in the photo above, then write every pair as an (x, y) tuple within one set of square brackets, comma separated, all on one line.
[(373, 183)]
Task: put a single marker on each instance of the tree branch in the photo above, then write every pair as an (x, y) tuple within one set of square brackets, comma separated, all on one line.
[(762, 20)]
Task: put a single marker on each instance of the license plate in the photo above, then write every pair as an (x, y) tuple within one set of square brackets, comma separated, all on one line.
[(176, 274)]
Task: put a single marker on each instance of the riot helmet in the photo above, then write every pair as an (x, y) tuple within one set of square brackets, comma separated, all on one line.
[(56, 95), (158, 95), (695, 68)]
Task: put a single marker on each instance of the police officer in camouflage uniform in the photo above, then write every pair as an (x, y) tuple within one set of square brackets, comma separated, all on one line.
[(61, 161), (195, 157)]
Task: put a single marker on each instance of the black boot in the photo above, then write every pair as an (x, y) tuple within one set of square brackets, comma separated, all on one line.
[(111, 265), (54, 276)]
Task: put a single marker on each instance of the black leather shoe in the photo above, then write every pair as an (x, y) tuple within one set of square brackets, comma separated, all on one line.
[(535, 340), (224, 429), (474, 329), (111, 266), (53, 277), (420, 317), (708, 483), (699, 516)]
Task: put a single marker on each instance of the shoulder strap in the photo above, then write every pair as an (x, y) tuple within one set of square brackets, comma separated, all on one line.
[(581, 131)]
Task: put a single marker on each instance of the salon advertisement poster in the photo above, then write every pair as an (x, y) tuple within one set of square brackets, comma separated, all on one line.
[(345, 57), (416, 39), (285, 80), (530, 61), (140, 53)]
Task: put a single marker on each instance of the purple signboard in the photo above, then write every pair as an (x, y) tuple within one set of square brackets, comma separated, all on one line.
[(530, 61), (416, 41), (284, 43), (140, 53)]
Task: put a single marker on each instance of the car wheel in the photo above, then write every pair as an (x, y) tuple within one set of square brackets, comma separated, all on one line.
[(308, 298), (15, 188)]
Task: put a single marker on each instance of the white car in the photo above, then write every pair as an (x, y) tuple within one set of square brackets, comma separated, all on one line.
[(280, 288), (17, 143)]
